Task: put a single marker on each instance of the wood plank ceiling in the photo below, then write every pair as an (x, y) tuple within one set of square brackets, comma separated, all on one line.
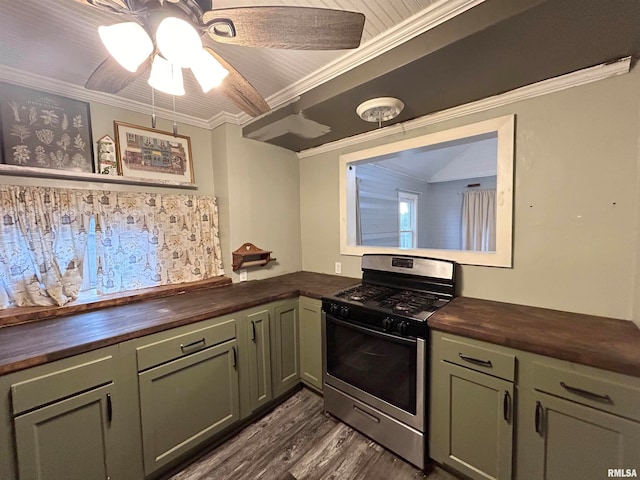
[(58, 40)]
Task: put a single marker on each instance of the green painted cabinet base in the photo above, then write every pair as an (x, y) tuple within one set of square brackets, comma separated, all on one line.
[(259, 348), (575, 441), (311, 342), (185, 402), (69, 440), (285, 357), (471, 420)]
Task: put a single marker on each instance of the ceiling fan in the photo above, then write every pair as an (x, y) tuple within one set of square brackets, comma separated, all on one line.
[(289, 27)]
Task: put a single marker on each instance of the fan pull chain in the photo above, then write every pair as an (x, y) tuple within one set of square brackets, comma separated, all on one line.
[(153, 108), (175, 125)]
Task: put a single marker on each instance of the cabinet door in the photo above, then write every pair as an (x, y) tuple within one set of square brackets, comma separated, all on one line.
[(576, 441), (259, 358), (286, 369), (474, 416), (311, 342), (67, 440), (185, 402)]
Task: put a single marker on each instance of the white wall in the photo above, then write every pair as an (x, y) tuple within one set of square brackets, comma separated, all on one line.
[(575, 210), (257, 186)]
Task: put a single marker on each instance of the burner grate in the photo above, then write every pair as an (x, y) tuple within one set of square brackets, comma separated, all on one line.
[(408, 302), (362, 293)]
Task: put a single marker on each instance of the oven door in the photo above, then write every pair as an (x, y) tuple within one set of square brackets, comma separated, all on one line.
[(385, 371)]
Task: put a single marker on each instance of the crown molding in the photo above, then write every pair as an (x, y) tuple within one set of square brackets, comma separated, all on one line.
[(556, 84), (413, 26), (31, 80)]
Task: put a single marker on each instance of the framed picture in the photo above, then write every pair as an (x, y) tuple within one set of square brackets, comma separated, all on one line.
[(153, 154), (45, 130)]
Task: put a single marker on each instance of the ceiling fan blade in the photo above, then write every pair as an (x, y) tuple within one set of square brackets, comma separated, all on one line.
[(105, 3), (239, 90), (300, 28), (111, 77)]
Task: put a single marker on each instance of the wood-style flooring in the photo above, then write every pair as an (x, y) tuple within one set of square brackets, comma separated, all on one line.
[(296, 441)]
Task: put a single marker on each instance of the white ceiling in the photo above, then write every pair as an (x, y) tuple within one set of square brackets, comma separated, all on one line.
[(54, 45), (460, 159)]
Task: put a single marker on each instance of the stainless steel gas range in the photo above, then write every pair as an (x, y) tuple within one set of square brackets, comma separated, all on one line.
[(375, 344)]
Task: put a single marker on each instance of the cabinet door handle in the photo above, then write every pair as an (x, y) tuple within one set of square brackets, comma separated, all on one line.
[(484, 363), (366, 414), (539, 412), (235, 357), (586, 393), (109, 408), (253, 331), (506, 406), (193, 344)]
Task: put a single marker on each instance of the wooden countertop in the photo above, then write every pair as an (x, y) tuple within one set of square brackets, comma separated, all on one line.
[(595, 341), (35, 343)]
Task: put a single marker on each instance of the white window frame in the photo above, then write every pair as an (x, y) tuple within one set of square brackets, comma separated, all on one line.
[(411, 198)]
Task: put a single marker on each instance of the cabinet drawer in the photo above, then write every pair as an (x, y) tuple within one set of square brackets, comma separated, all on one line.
[(590, 389), (178, 346), (481, 359), (60, 384)]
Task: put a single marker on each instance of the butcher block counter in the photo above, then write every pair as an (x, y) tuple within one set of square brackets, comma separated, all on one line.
[(595, 341), (35, 343), (599, 342)]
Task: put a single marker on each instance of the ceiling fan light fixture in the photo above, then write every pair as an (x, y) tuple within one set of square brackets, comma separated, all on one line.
[(127, 42), (380, 109), (208, 71), (178, 42), (166, 77)]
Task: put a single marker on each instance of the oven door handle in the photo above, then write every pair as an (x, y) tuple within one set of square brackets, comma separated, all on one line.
[(373, 333)]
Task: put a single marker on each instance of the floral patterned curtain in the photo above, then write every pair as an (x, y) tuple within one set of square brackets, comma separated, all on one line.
[(42, 243), (142, 240)]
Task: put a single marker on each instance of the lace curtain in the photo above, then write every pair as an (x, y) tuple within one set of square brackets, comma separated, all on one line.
[(142, 240)]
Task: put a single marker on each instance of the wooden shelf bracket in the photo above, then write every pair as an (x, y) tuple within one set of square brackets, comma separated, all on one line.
[(248, 255)]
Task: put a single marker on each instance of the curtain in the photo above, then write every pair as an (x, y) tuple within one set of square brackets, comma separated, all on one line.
[(142, 240), (42, 243), (145, 240), (479, 220)]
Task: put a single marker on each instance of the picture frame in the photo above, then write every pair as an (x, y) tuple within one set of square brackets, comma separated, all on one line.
[(153, 154), (45, 130)]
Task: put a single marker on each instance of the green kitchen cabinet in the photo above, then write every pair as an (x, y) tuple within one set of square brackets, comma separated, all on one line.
[(188, 383), (259, 349), (70, 421), (311, 342), (70, 439), (472, 408), (578, 422), (285, 355)]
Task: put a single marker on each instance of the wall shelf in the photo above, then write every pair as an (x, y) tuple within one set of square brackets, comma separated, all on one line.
[(248, 255), (18, 171)]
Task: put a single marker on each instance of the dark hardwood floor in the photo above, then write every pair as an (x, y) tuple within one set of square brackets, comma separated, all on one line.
[(297, 441)]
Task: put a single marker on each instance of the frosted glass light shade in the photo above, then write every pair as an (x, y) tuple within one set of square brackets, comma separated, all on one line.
[(208, 71), (178, 42), (166, 77), (127, 42)]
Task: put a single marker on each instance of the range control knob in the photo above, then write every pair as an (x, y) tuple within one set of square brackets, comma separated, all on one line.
[(387, 324), (344, 312), (403, 328), (333, 309)]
